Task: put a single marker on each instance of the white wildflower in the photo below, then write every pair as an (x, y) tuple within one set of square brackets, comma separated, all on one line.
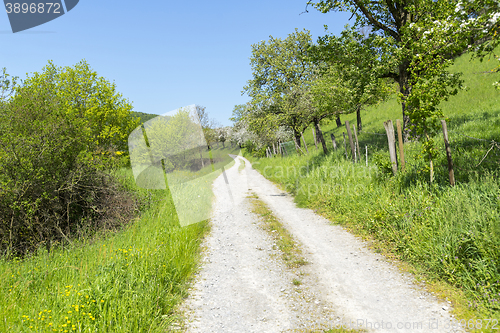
[(494, 18)]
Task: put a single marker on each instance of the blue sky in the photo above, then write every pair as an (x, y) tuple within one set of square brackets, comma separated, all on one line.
[(163, 55)]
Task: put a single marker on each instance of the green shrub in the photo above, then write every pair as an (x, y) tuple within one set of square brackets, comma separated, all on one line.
[(52, 181), (383, 162)]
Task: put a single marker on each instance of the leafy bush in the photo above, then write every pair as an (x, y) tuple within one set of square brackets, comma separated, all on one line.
[(52, 181), (252, 148), (383, 162)]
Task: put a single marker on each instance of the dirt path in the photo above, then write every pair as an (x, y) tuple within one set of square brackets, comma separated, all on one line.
[(244, 287)]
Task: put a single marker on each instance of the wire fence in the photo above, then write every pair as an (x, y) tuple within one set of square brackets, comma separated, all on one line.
[(289, 148), (493, 144)]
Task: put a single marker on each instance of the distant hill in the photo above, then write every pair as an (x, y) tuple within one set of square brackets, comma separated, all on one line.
[(143, 116)]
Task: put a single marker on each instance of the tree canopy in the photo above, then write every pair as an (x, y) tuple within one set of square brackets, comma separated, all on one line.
[(91, 101), (281, 69), (421, 39)]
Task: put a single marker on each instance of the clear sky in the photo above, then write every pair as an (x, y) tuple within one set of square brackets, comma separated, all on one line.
[(163, 55)]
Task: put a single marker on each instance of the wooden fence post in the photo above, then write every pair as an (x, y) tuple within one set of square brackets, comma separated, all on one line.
[(401, 147), (345, 146), (357, 143), (349, 134), (366, 152), (334, 143), (448, 153), (304, 140), (389, 128), (314, 137)]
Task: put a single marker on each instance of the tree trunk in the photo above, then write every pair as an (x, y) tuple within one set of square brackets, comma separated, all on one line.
[(320, 137), (296, 136), (358, 118), (297, 146), (405, 89), (337, 120)]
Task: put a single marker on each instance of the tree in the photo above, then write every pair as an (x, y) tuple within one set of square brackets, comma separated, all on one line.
[(280, 67), (52, 187), (239, 111), (354, 61), (92, 102), (402, 24), (173, 140), (208, 125), (486, 25), (223, 134), (329, 95), (242, 134), (7, 85)]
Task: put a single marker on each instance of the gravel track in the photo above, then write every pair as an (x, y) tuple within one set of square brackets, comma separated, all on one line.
[(243, 285)]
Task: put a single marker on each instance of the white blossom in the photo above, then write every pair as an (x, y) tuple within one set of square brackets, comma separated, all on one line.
[(494, 18), (284, 133)]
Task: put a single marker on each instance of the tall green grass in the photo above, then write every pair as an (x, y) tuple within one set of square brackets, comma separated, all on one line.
[(451, 234), (130, 281), (448, 234)]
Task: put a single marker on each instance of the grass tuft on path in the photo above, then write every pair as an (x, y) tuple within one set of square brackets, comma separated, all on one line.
[(290, 249)]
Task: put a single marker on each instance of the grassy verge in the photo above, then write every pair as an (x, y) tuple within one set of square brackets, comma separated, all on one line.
[(450, 236), (130, 281)]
